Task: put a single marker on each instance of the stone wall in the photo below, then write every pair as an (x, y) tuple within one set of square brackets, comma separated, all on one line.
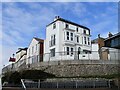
[(78, 68)]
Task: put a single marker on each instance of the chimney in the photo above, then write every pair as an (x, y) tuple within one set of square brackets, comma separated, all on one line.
[(56, 17), (110, 34), (98, 35)]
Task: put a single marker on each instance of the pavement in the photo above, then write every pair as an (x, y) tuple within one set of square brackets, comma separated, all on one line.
[(18, 88)]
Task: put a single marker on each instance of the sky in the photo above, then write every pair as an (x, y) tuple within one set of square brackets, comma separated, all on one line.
[(21, 21)]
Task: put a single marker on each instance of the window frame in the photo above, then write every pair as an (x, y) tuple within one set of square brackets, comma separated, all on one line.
[(54, 25), (52, 52), (68, 50), (77, 39), (67, 34), (66, 25), (71, 34)]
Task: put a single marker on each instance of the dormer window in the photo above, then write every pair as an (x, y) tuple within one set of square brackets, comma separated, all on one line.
[(54, 25), (77, 29), (66, 26), (84, 31)]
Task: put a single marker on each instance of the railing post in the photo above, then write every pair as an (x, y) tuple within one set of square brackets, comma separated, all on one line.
[(76, 84), (23, 84), (109, 84), (57, 85), (39, 83), (93, 84)]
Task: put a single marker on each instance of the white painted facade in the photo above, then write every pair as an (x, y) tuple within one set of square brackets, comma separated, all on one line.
[(21, 56), (72, 37), (33, 51)]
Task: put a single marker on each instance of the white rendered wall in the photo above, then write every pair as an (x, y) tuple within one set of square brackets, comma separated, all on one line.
[(61, 40), (35, 52)]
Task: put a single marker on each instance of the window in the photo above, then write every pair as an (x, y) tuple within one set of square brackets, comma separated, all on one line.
[(52, 42), (36, 47), (54, 25), (77, 29), (66, 26), (84, 31), (71, 51), (52, 52), (67, 35), (77, 39), (88, 41), (79, 49), (71, 36), (85, 40), (67, 50)]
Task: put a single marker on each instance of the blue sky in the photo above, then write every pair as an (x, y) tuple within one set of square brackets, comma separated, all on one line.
[(23, 21)]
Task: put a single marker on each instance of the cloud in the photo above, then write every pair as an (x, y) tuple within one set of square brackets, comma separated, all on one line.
[(20, 24)]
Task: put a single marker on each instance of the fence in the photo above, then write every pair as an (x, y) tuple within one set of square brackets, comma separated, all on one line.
[(93, 57), (69, 84), (61, 56)]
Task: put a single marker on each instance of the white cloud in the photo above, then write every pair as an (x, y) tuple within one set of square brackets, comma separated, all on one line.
[(19, 25)]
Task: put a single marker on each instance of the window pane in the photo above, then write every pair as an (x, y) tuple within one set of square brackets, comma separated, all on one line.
[(71, 51), (67, 35), (52, 51), (66, 26), (71, 36), (84, 32), (67, 50), (77, 39), (85, 40), (77, 29), (54, 26)]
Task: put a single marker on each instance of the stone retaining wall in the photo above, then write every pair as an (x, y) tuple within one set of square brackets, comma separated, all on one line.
[(78, 68)]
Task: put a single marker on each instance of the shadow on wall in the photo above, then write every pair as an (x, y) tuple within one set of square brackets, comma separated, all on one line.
[(15, 77)]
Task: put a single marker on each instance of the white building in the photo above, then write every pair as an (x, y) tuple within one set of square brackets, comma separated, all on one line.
[(64, 37), (97, 44), (35, 51), (21, 55)]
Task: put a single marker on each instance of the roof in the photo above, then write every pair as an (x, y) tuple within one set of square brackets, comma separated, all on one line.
[(38, 39), (67, 21), (115, 35), (20, 49), (96, 40)]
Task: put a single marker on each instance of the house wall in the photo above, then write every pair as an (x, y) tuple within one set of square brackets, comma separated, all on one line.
[(19, 54), (33, 51), (61, 39)]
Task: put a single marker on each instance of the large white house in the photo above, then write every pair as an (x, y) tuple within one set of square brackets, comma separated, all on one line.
[(35, 51), (64, 38)]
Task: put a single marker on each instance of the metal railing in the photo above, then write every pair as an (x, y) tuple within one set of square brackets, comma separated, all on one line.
[(69, 84), (76, 57), (23, 85)]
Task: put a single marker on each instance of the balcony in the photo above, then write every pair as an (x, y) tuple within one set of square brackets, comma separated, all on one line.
[(52, 42)]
